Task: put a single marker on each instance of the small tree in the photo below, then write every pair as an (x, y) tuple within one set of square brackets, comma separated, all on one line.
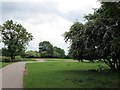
[(32, 54), (58, 52), (15, 38)]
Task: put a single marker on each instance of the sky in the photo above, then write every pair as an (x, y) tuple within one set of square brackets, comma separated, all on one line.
[(47, 20)]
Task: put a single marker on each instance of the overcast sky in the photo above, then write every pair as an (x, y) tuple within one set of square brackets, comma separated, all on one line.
[(47, 19)]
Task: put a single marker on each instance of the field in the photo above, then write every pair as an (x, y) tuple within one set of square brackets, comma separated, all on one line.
[(68, 75)]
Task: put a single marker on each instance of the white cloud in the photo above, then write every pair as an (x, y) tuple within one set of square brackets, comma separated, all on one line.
[(47, 19), (65, 5), (50, 31)]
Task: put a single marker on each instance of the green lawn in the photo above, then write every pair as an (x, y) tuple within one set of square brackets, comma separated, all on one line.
[(68, 75), (57, 59), (3, 64), (28, 59)]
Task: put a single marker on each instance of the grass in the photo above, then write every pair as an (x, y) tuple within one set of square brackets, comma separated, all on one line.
[(28, 59), (57, 59), (68, 75), (3, 64)]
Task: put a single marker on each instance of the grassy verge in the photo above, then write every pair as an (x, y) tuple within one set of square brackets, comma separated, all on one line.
[(68, 75), (3, 64)]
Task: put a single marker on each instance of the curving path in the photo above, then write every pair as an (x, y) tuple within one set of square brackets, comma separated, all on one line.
[(11, 76)]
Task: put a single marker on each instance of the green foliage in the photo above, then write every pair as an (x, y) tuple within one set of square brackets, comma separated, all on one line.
[(58, 52), (5, 52), (15, 38), (99, 37), (32, 54), (46, 49), (76, 40)]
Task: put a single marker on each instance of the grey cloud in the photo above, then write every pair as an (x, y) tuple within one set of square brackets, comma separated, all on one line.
[(73, 15), (9, 7), (22, 10), (27, 10)]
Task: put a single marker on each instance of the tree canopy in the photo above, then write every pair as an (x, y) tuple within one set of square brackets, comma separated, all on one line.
[(46, 49), (58, 52), (32, 54), (99, 37), (15, 37)]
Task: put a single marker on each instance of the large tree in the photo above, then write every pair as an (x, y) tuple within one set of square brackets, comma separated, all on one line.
[(15, 37), (74, 36), (46, 49), (100, 38), (106, 35)]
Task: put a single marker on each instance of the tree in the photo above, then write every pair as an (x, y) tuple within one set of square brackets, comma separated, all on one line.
[(100, 37), (111, 38), (0, 52), (4, 52), (15, 37), (58, 52), (106, 26), (46, 49), (32, 54), (74, 36)]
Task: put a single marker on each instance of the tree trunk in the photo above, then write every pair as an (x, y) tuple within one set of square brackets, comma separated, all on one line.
[(81, 60), (92, 61), (117, 61), (12, 58), (110, 63)]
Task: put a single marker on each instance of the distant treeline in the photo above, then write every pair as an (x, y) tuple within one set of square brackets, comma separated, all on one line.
[(46, 50)]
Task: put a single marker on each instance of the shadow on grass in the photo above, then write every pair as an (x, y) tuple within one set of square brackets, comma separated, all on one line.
[(92, 71), (93, 78)]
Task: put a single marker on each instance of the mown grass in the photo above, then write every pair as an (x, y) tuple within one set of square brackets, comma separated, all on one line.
[(28, 59), (3, 64), (68, 75), (57, 59)]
